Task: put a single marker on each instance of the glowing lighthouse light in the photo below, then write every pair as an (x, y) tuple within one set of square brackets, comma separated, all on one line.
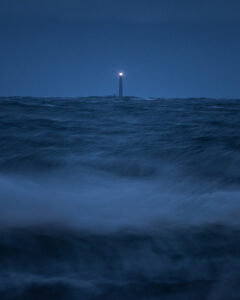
[(121, 74)]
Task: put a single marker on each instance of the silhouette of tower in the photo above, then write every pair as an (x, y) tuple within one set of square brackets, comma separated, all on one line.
[(120, 84)]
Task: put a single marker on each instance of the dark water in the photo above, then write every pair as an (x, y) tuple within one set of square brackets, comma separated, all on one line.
[(119, 199)]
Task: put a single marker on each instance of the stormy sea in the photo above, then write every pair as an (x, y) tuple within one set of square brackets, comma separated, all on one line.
[(106, 198)]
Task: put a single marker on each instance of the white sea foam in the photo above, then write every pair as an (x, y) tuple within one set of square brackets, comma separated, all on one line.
[(102, 202)]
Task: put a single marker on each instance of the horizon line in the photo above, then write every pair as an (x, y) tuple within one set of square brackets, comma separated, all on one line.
[(115, 96)]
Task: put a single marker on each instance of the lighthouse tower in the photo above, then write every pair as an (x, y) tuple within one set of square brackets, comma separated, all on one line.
[(120, 75)]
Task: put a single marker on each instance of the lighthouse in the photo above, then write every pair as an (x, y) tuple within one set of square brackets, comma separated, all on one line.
[(120, 75)]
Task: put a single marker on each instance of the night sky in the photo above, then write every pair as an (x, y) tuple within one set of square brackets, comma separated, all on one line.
[(167, 48)]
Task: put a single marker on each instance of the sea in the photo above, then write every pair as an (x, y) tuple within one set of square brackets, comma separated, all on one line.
[(117, 199)]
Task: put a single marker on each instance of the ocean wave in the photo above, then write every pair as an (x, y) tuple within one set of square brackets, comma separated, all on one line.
[(195, 262)]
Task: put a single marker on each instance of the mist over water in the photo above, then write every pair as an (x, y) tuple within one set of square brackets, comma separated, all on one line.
[(119, 199)]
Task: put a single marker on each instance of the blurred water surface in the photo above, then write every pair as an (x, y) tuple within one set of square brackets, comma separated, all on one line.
[(102, 198)]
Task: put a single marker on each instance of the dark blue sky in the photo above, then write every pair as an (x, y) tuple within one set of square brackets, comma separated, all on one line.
[(168, 48)]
